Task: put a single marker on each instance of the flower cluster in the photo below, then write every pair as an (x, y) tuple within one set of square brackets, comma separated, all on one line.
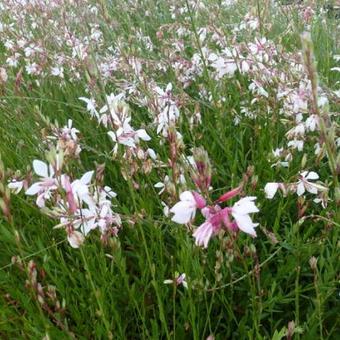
[(80, 206), (216, 218), (303, 184)]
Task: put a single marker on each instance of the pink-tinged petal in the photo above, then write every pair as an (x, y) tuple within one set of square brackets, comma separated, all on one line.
[(33, 189), (41, 200), (40, 168), (200, 201), (228, 195), (203, 234), (271, 189), (86, 178), (226, 219), (75, 239), (69, 195), (312, 176)]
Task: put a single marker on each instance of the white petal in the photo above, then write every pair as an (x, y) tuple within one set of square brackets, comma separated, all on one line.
[(245, 224), (109, 192), (143, 135), (183, 212), (187, 196), (152, 153), (16, 186), (312, 175), (304, 173), (168, 88), (40, 168), (245, 206), (300, 189), (311, 188), (86, 178), (271, 189), (168, 282), (112, 135), (33, 189)]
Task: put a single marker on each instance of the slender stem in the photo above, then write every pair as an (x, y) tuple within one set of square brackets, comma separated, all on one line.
[(97, 296)]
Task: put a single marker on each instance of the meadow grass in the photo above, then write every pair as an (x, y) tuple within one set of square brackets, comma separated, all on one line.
[(283, 283)]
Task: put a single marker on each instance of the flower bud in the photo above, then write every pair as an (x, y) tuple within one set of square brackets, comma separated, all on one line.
[(201, 175), (313, 263)]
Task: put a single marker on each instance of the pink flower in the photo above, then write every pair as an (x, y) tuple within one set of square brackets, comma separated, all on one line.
[(203, 234), (185, 209), (216, 219)]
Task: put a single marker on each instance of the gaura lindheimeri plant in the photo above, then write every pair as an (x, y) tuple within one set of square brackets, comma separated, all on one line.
[(303, 184), (179, 279), (80, 206), (231, 218)]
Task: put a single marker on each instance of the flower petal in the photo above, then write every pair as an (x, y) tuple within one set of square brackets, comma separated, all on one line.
[(86, 178), (33, 189), (40, 168), (312, 176), (271, 189)]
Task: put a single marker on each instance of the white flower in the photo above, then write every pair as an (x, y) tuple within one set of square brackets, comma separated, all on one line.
[(80, 189), (57, 71), (16, 186), (70, 132), (296, 144), (304, 184), (127, 136), (168, 112), (90, 106), (32, 68), (241, 211), (312, 122), (185, 209)]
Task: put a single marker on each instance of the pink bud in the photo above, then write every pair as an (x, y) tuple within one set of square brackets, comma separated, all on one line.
[(228, 195), (69, 195), (200, 201)]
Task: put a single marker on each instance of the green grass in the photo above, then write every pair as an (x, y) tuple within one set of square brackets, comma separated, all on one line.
[(241, 288)]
